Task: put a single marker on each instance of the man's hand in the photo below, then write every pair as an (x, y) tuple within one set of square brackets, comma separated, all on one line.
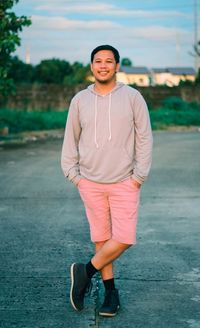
[(136, 184)]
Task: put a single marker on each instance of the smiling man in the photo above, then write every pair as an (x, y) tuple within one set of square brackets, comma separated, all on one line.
[(106, 153)]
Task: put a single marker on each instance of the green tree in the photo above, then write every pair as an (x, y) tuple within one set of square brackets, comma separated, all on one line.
[(197, 81), (52, 71), (21, 72), (79, 74), (194, 53), (126, 62), (10, 26)]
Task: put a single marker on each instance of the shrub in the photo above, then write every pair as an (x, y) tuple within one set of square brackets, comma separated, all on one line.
[(175, 103), (163, 117), (18, 121)]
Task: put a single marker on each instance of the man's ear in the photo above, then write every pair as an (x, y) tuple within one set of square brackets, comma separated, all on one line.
[(91, 68), (117, 67)]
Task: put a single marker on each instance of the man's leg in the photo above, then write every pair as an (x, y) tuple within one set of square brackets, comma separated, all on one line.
[(106, 271), (123, 202), (121, 205), (105, 252), (102, 260), (98, 214), (109, 252)]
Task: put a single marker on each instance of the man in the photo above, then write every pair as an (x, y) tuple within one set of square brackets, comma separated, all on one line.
[(107, 154)]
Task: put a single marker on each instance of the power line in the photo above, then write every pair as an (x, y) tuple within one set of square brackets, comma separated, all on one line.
[(196, 57)]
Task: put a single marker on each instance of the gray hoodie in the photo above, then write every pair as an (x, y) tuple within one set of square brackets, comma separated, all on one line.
[(107, 138)]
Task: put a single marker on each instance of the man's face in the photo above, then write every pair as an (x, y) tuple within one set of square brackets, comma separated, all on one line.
[(104, 66)]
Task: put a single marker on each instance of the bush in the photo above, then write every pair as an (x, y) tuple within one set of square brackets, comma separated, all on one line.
[(163, 117), (18, 121), (178, 113), (175, 103)]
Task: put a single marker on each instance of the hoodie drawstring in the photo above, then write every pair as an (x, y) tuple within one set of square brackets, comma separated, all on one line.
[(109, 120), (95, 122)]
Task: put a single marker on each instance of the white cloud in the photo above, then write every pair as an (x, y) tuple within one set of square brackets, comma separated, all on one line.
[(104, 9), (46, 25), (158, 33), (73, 40), (59, 30), (98, 8), (148, 13), (61, 23)]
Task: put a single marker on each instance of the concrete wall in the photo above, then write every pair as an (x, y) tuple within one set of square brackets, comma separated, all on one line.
[(155, 95), (56, 97), (41, 97)]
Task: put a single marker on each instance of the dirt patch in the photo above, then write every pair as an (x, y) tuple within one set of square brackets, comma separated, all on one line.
[(182, 128), (31, 136)]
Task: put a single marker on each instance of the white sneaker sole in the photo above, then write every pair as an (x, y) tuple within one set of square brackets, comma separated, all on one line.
[(72, 286), (105, 314)]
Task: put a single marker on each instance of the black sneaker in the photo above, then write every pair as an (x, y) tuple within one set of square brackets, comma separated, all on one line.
[(111, 304), (79, 285)]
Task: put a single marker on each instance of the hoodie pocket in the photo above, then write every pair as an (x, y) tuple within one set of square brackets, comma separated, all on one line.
[(107, 164)]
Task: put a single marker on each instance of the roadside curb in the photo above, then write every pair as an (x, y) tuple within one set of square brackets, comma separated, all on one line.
[(32, 136)]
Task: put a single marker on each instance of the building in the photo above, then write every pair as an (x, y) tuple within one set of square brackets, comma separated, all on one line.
[(140, 76), (172, 76), (144, 77)]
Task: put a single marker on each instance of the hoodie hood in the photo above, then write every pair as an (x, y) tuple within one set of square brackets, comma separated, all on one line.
[(91, 88), (117, 86)]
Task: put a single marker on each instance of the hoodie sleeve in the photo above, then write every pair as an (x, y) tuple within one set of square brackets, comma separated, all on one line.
[(143, 140), (70, 154)]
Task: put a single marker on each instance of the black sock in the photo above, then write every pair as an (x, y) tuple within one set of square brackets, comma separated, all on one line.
[(109, 284), (90, 269)]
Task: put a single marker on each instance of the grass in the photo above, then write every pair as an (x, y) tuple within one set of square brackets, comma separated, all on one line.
[(174, 112), (162, 118), (19, 121)]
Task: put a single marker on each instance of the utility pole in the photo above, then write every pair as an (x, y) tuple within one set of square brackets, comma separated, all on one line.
[(28, 55), (196, 57), (178, 50)]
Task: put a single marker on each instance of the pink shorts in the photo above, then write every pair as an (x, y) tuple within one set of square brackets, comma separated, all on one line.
[(111, 209)]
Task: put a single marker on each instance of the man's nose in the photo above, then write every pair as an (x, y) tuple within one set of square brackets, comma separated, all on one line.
[(103, 64)]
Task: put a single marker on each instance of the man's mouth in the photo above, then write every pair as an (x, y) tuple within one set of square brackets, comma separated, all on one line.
[(103, 73)]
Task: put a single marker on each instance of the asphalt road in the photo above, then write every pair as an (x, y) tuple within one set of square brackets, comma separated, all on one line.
[(44, 229)]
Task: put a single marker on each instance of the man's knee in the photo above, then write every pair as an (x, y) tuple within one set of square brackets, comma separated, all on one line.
[(126, 246), (99, 245)]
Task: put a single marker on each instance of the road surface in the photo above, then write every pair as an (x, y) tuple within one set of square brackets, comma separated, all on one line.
[(44, 229)]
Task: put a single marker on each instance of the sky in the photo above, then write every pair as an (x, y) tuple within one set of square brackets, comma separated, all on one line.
[(151, 33)]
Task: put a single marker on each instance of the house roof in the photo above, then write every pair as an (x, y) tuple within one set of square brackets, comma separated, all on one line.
[(175, 70), (159, 70), (182, 70), (134, 70)]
